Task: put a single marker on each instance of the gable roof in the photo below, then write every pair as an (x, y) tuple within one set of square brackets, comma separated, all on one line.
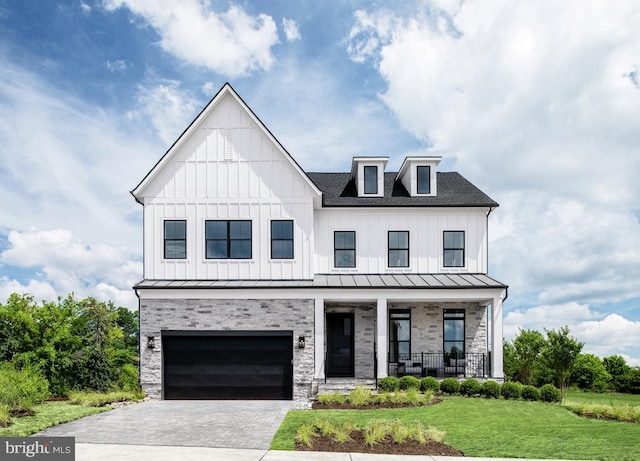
[(226, 89), (339, 190)]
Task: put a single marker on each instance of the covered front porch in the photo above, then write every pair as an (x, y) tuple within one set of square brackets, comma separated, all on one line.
[(370, 334)]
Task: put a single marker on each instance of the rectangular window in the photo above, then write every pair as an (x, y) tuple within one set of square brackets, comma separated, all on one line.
[(344, 252), (228, 239), (175, 239), (398, 248), (399, 335), (370, 179), (453, 249), (424, 179), (281, 239), (453, 334)]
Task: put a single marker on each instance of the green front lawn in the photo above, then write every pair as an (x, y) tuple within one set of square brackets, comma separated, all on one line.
[(48, 414), (498, 428), (607, 398)]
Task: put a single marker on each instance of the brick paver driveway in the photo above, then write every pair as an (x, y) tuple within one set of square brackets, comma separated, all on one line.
[(227, 424)]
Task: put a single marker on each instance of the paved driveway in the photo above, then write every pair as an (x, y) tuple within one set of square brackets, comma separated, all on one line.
[(193, 423)]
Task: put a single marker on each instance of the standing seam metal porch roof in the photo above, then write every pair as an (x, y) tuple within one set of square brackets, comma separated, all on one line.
[(349, 281)]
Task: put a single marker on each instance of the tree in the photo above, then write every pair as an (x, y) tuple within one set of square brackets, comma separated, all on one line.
[(560, 353), (617, 368), (589, 373), (84, 344), (527, 348)]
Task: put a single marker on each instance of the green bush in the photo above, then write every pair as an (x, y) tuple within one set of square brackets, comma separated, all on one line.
[(490, 389), (409, 382), (450, 386), (512, 390), (470, 387), (429, 384), (388, 384), (550, 393), (531, 393), (21, 390)]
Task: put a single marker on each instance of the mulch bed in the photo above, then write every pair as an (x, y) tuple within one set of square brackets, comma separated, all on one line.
[(386, 446), (22, 413), (374, 406), (60, 398)]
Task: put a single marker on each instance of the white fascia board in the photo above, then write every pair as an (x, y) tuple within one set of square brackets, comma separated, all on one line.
[(480, 295)]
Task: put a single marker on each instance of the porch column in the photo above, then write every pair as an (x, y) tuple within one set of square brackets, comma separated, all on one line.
[(381, 336), (496, 339), (319, 338)]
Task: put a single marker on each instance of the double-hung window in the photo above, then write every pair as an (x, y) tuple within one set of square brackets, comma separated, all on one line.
[(228, 239), (453, 249), (423, 174), (398, 249), (175, 239), (344, 249), (281, 239), (370, 179), (399, 335)]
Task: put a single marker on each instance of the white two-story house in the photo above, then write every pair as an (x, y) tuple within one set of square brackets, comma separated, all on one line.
[(262, 280)]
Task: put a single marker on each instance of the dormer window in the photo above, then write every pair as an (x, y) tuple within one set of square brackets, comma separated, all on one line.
[(370, 179), (418, 175), (368, 175), (424, 179)]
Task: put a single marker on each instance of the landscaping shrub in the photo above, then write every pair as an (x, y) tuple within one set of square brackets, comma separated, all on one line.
[(21, 390), (550, 393), (328, 399), (5, 419), (490, 389), (97, 399), (531, 393), (512, 390), (450, 386), (470, 387), (409, 382), (360, 396), (388, 384), (429, 384)]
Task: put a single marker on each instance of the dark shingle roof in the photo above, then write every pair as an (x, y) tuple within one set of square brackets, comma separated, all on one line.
[(453, 190)]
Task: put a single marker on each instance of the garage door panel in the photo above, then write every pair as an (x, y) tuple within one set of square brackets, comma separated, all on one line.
[(247, 366)]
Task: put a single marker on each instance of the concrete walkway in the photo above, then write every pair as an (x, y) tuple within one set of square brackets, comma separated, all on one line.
[(111, 452), (219, 424)]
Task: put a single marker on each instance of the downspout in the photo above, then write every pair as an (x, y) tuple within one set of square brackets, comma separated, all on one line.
[(135, 290)]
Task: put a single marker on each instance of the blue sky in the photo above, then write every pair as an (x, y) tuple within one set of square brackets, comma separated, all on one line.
[(536, 104)]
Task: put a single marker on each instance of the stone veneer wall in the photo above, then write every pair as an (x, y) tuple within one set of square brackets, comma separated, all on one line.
[(427, 325), (220, 314)]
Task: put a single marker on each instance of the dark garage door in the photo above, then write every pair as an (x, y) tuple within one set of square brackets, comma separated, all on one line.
[(228, 365)]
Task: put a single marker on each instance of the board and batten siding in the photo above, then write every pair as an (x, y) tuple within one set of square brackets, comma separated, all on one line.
[(425, 226), (228, 169)]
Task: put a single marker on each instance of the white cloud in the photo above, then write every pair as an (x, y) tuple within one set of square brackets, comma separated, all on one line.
[(166, 107), (603, 334), (68, 164), (232, 43), (291, 31), (118, 65), (67, 265), (209, 89), (86, 9)]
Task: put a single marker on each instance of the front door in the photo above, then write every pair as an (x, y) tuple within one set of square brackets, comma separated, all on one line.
[(340, 345)]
